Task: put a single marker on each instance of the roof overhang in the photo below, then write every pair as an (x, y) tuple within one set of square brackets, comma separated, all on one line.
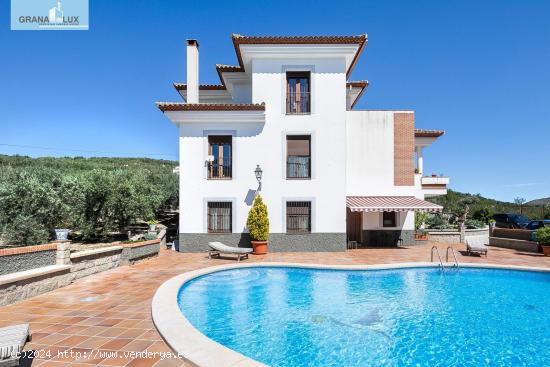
[(247, 47), (390, 204), (355, 90), (424, 137), (180, 113)]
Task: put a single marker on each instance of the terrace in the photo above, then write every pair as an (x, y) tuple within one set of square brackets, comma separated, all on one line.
[(110, 311)]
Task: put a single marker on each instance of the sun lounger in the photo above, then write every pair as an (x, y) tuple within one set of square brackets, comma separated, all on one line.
[(12, 341), (218, 248), (476, 244)]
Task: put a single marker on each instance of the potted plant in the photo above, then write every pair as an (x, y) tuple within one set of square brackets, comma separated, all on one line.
[(62, 231), (420, 226), (258, 226), (543, 238), (153, 224)]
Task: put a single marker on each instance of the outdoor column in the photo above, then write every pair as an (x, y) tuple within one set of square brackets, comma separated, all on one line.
[(420, 160), (63, 256)]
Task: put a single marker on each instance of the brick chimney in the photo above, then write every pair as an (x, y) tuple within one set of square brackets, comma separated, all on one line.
[(192, 71)]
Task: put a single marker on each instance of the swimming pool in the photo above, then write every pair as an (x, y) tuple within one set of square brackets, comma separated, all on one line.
[(285, 316)]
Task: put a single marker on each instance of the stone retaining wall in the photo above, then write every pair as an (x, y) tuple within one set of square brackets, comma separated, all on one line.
[(95, 261), (132, 253), (516, 234), (456, 236), (22, 285), (520, 245), (52, 266)]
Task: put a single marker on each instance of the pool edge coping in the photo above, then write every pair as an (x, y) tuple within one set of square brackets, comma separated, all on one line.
[(195, 347)]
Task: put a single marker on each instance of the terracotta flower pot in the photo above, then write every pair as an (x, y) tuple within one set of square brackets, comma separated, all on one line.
[(259, 247), (546, 250)]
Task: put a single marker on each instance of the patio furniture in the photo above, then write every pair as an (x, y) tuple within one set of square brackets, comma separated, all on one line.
[(352, 245), (12, 341), (218, 248), (477, 244)]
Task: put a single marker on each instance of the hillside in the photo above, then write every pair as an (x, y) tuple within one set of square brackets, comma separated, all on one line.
[(539, 202), (455, 202)]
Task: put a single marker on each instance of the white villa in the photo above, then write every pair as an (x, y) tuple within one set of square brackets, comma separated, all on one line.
[(329, 174)]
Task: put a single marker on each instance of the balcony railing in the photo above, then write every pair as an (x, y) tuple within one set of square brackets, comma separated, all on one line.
[(220, 169), (435, 180), (298, 167), (297, 103)]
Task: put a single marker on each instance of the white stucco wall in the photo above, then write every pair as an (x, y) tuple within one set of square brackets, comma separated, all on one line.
[(265, 144), (373, 220), (370, 155), (370, 163)]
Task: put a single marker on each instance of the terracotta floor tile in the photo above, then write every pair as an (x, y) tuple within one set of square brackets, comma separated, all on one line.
[(93, 342), (138, 345), (52, 339), (150, 335), (112, 332), (51, 364), (119, 360), (75, 329), (133, 333), (71, 341), (121, 299), (143, 362), (159, 346), (170, 363), (116, 344)]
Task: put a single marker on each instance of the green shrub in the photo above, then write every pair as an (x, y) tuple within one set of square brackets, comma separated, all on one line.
[(474, 224), (483, 214), (419, 218), (95, 197), (258, 220), (543, 236), (437, 221)]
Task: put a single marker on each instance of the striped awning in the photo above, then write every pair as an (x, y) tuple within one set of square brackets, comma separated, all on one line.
[(390, 204)]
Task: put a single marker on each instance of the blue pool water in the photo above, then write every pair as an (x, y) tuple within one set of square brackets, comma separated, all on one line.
[(404, 317)]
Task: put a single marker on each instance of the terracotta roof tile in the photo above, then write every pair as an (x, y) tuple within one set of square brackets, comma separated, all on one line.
[(360, 40), (238, 39), (298, 39), (228, 68), (183, 86), (358, 83), (175, 106), (424, 133)]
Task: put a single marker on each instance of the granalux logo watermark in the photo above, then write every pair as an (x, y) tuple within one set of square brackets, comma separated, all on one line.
[(42, 15)]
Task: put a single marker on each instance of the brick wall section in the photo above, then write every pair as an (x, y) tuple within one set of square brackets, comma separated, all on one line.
[(403, 149)]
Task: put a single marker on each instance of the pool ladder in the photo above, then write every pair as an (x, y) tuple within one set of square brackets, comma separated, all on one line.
[(454, 256), (446, 256)]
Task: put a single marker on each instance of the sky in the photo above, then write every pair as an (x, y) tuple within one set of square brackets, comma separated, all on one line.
[(480, 70)]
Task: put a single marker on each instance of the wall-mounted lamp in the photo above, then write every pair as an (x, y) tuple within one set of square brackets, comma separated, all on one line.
[(258, 172)]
